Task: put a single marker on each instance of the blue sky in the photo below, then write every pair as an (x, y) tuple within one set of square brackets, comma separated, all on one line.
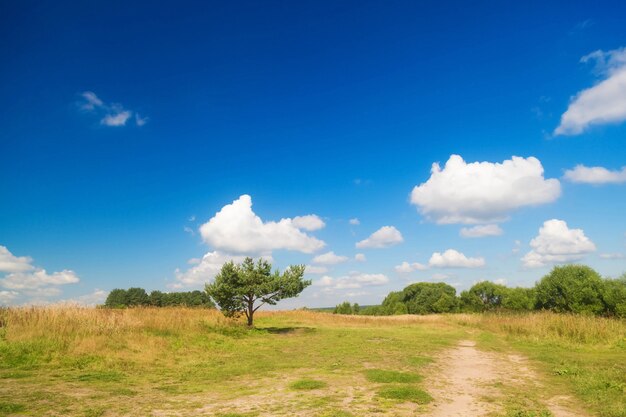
[(127, 127)]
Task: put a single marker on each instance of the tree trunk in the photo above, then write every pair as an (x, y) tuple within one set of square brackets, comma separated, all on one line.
[(250, 312)]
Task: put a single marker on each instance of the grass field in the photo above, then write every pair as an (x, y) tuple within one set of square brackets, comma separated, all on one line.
[(178, 362)]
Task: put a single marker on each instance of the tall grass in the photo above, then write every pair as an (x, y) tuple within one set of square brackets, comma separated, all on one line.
[(547, 326)]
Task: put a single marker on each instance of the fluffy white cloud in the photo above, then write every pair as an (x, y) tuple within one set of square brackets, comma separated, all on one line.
[(483, 192), (454, 259), (38, 278), (352, 281), (329, 258), (309, 222), (384, 237), (316, 269), (355, 222), (603, 103), (237, 229), (405, 267), (204, 269), (360, 257), (595, 175), (11, 263), (557, 243), (481, 231)]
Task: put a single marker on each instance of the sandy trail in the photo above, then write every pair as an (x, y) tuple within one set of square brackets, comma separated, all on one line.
[(468, 383)]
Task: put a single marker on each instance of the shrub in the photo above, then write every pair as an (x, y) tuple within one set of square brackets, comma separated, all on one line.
[(571, 288)]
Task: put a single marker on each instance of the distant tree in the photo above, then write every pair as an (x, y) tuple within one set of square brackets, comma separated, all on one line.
[(428, 297), (116, 299), (346, 308), (519, 299), (483, 296), (393, 304), (137, 297), (614, 296), (571, 288), (244, 288), (156, 299)]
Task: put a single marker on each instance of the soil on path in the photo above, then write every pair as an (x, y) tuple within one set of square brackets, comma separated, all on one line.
[(470, 382)]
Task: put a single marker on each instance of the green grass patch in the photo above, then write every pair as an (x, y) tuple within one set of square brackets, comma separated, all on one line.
[(405, 393), (307, 384), (386, 377), (11, 408), (336, 413)]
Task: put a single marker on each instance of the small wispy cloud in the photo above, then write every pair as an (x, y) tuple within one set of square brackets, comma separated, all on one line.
[(112, 114)]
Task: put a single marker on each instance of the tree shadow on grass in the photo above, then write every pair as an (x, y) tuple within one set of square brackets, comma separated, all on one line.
[(286, 330)]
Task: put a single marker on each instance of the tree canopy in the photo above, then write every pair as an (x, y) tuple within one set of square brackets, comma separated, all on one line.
[(244, 288)]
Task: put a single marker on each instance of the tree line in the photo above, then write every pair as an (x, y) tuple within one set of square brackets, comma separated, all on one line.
[(566, 289), (136, 297)]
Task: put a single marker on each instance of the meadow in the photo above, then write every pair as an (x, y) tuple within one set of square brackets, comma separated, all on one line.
[(71, 361)]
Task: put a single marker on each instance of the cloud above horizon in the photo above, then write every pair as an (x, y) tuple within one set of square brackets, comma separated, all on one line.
[(595, 175), (557, 243), (605, 102), (384, 237), (22, 278), (483, 192), (237, 229)]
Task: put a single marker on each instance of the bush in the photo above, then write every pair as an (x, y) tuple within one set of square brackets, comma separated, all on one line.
[(571, 289), (427, 297)]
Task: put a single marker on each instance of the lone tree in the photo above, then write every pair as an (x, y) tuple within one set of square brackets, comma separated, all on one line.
[(245, 287)]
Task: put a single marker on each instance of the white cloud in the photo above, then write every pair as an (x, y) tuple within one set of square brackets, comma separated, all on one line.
[(37, 279), (205, 269), (354, 280), (355, 222), (96, 297), (405, 267), (384, 237), (557, 243), (6, 297), (316, 269), (454, 259), (116, 119), (483, 192), (11, 263), (91, 101), (360, 257), (329, 258), (140, 121), (612, 256), (481, 231), (595, 175), (309, 222), (605, 102), (237, 229), (113, 114)]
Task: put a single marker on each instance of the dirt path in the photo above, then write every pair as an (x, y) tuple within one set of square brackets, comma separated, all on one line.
[(472, 383)]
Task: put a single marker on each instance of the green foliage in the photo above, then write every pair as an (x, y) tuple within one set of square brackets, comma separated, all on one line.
[(346, 308), (427, 297), (238, 288), (483, 296), (614, 296), (11, 408), (405, 393), (307, 384), (385, 377), (133, 297), (571, 289)]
